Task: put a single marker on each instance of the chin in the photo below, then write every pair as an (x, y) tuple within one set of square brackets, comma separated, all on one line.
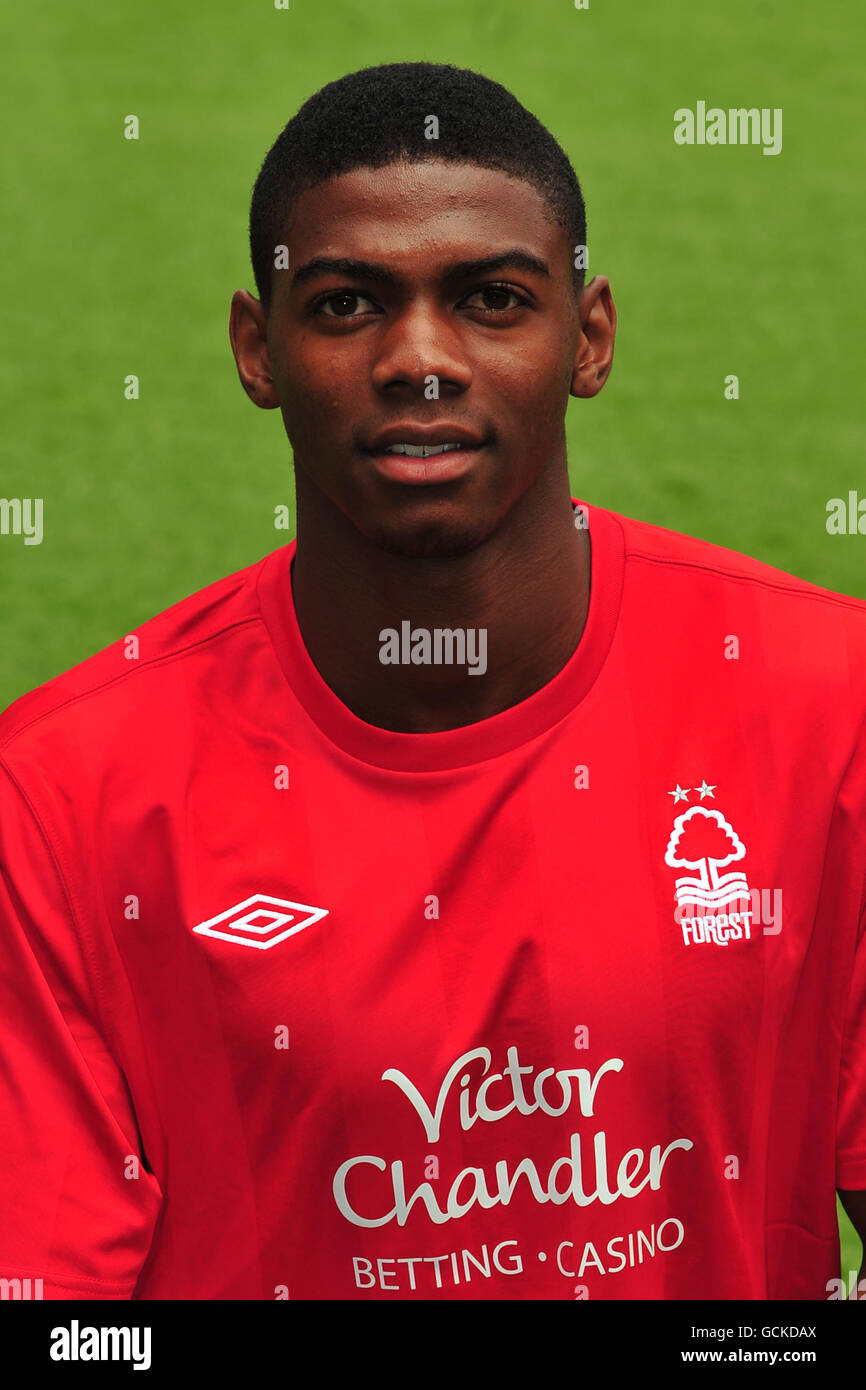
[(428, 541)]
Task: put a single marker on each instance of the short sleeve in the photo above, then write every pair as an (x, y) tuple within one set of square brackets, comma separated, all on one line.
[(78, 1208), (851, 1115)]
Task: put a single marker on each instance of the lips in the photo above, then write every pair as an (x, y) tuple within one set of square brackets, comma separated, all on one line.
[(423, 437), (413, 453)]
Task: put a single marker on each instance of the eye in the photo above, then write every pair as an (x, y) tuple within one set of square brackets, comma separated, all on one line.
[(345, 302), (496, 297)]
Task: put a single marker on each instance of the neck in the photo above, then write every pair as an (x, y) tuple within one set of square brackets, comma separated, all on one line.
[(526, 587)]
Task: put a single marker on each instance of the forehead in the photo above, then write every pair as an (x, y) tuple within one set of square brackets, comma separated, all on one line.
[(413, 210)]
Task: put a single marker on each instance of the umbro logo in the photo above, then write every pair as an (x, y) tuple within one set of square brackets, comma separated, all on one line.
[(261, 921)]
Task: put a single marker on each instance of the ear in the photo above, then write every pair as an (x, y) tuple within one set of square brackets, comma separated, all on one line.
[(593, 358), (248, 335)]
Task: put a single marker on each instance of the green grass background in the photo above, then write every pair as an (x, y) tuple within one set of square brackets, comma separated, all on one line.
[(121, 257)]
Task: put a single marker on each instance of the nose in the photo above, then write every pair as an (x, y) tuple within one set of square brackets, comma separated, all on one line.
[(418, 344)]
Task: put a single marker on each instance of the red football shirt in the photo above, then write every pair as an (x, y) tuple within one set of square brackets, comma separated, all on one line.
[(567, 1003)]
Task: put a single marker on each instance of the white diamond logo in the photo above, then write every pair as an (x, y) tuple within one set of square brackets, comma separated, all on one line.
[(261, 921)]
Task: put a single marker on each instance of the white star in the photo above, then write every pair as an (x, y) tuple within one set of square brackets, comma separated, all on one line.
[(706, 790), (680, 794)]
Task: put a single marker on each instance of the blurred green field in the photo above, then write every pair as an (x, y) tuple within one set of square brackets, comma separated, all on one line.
[(121, 257)]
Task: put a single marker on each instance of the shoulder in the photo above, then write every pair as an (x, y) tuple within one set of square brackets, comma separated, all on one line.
[(679, 554), (689, 599), (110, 685)]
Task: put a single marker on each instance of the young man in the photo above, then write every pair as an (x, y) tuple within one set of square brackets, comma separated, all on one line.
[(466, 901)]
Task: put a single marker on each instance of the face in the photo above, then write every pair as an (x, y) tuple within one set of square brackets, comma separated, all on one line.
[(425, 304)]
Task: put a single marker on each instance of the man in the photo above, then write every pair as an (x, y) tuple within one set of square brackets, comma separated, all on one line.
[(467, 901)]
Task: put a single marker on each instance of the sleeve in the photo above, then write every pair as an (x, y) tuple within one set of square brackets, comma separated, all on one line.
[(78, 1208), (851, 1115)]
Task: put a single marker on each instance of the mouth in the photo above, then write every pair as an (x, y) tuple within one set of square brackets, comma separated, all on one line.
[(421, 451), (432, 455)]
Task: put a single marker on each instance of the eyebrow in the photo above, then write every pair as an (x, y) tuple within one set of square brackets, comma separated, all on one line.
[(515, 258)]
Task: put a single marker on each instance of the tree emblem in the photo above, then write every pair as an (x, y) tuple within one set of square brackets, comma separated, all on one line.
[(703, 840)]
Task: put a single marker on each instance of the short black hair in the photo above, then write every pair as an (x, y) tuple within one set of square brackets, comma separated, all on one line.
[(378, 116)]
